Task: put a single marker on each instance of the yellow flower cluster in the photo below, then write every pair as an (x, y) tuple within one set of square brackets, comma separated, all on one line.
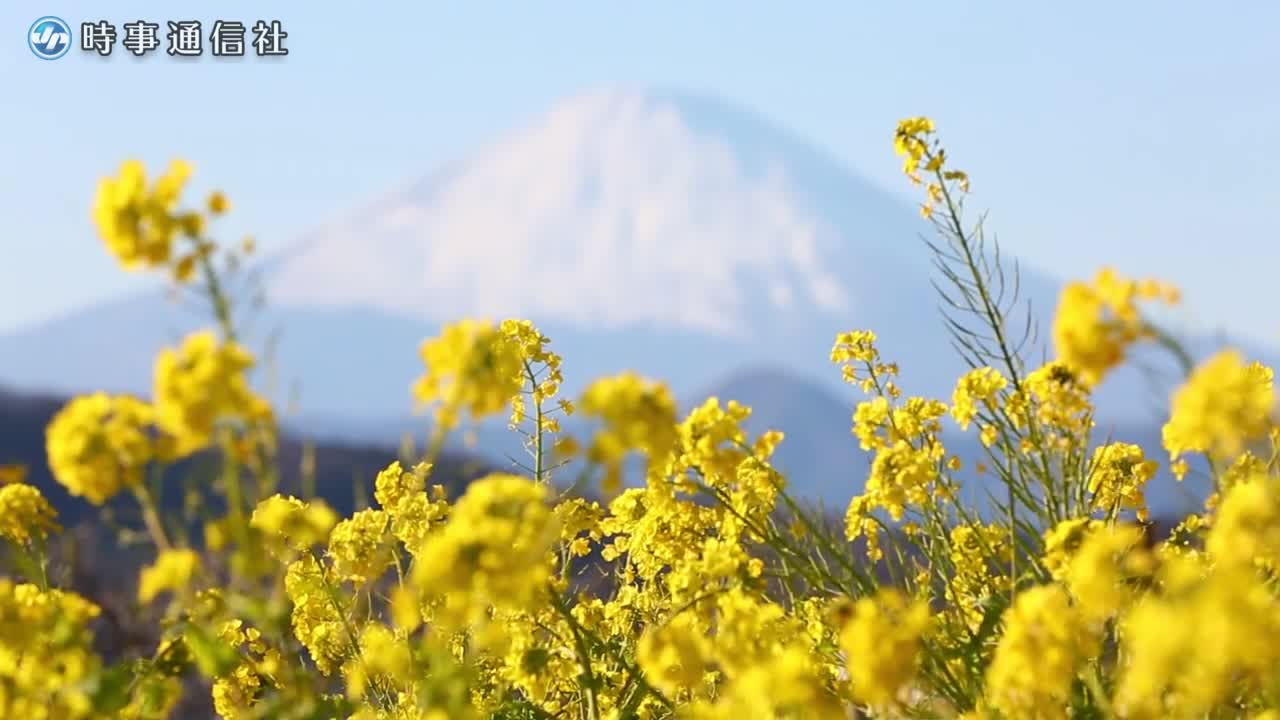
[(637, 414), (413, 512), (1063, 541), (1120, 472), (198, 384), (976, 391), (1096, 322), (360, 546), (139, 222), (920, 149), (1207, 635), (172, 571), (1057, 400), (883, 644), (1107, 571), (905, 435), (980, 556), (46, 653), (99, 444), (291, 524), (705, 591), (473, 366), (25, 515), (1223, 405), (1045, 641), (494, 551), (318, 618)]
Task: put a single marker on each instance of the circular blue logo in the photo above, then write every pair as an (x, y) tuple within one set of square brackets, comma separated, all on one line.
[(49, 38)]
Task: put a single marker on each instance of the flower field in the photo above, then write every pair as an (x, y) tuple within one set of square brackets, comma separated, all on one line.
[(702, 590)]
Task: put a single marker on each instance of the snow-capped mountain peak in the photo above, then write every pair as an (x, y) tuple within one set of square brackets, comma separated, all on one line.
[(612, 209)]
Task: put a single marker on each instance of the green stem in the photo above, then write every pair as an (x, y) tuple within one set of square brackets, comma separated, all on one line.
[(381, 694), (230, 471), (221, 304), (42, 561), (435, 443), (231, 479), (996, 322), (151, 518), (1185, 362), (584, 657), (537, 419)]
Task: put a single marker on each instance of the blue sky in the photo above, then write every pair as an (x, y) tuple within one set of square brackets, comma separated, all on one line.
[(1140, 134)]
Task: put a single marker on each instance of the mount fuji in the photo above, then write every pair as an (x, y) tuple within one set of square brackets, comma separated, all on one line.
[(672, 234), (669, 233)]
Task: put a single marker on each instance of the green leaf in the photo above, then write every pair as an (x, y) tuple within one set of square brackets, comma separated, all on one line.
[(112, 691), (213, 656)]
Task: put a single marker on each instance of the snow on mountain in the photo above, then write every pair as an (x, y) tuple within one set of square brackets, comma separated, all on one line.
[(614, 209), (671, 234), (663, 232), (668, 233)]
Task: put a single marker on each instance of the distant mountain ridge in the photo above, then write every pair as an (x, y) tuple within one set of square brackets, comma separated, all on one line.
[(667, 233)]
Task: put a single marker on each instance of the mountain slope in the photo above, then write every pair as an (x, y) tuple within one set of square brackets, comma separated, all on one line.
[(672, 234), (617, 209)]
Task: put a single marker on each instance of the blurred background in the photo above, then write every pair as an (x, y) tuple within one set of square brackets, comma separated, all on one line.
[(705, 194)]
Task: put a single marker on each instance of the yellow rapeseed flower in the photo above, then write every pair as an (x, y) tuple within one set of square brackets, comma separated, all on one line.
[(638, 415), (675, 655), (980, 555), (975, 391), (413, 512), (138, 223), (882, 643), (911, 140), (48, 658), (200, 383), (25, 515), (1224, 404), (1062, 541), (218, 203), (1208, 636), (494, 551), (1108, 571), (1045, 640), (384, 661), (317, 618), (1117, 476), (471, 366), (1096, 322), (288, 522), (171, 571), (235, 694), (361, 546), (99, 444), (1246, 527)]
